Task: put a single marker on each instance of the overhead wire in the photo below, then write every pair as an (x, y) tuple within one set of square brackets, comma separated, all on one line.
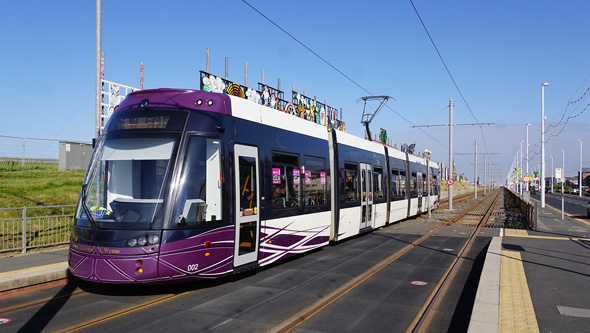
[(70, 119), (335, 68), (449, 73), (570, 102)]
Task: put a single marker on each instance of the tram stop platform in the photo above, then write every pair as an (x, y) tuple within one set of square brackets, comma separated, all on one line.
[(536, 280), (532, 280)]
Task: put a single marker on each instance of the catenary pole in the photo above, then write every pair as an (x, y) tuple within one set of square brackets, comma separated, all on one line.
[(542, 173), (97, 82), (475, 174), (450, 191)]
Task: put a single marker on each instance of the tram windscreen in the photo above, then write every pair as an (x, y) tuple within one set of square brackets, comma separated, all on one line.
[(127, 181)]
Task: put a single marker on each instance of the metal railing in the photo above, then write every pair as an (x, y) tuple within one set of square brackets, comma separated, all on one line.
[(526, 208), (35, 227)]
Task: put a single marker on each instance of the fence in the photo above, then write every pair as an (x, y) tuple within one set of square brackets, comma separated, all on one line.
[(36, 227), (526, 208), (4, 159)]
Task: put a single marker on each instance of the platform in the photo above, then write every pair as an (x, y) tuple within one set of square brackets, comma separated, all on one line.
[(537, 280)]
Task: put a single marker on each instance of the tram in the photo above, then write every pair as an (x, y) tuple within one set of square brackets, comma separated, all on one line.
[(189, 185)]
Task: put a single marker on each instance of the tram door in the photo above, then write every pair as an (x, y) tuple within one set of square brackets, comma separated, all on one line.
[(366, 195), (247, 214)]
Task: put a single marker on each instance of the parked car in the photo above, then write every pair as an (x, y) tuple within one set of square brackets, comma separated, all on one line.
[(587, 191)]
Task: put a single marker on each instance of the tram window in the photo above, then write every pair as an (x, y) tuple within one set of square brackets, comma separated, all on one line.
[(402, 184), (350, 185), (364, 185), (434, 190), (378, 185), (394, 184), (315, 187), (286, 181), (248, 202), (199, 199), (413, 189), (421, 189)]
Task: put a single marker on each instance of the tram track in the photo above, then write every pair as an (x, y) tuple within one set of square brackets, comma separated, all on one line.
[(422, 319), (424, 315)]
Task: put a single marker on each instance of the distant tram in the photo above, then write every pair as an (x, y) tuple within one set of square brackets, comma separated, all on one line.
[(189, 185)]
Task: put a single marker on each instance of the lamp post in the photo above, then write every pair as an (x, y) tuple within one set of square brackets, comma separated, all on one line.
[(520, 171), (580, 181), (562, 182), (542, 175), (518, 185), (551, 174), (527, 153)]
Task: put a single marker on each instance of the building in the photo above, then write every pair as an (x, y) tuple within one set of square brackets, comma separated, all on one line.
[(585, 176), (74, 155)]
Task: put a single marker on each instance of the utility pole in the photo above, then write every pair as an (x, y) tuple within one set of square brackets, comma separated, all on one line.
[(450, 190), (450, 124), (475, 170), (98, 85), (475, 174), (542, 171)]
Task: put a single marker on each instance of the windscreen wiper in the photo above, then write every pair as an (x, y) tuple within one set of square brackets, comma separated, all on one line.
[(93, 223)]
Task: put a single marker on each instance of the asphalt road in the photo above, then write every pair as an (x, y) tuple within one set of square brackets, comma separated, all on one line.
[(573, 204)]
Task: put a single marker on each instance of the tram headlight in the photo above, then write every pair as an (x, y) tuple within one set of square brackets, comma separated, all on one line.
[(142, 241), (153, 239)]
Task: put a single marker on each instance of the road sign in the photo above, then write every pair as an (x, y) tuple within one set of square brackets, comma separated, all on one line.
[(558, 174), (433, 183), (527, 179), (450, 182)]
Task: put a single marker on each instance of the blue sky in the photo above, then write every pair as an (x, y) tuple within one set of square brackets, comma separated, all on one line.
[(498, 52)]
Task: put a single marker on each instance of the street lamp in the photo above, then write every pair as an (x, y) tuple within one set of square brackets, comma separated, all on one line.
[(580, 181), (527, 153), (562, 182), (551, 174), (517, 174), (520, 171), (543, 144)]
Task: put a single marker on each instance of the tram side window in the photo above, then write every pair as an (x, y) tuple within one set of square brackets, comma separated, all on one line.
[(434, 190), (199, 198), (395, 194), (378, 183), (350, 185), (315, 189), (286, 181), (413, 188), (248, 202), (402, 184), (422, 184)]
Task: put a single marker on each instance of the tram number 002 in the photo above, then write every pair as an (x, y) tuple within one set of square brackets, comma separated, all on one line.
[(192, 267)]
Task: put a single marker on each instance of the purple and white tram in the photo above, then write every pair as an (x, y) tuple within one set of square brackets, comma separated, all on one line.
[(189, 185)]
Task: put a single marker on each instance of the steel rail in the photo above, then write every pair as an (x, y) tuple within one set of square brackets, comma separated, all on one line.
[(424, 315), (310, 311)]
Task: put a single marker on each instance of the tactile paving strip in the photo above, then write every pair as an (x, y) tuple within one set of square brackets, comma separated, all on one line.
[(516, 307)]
